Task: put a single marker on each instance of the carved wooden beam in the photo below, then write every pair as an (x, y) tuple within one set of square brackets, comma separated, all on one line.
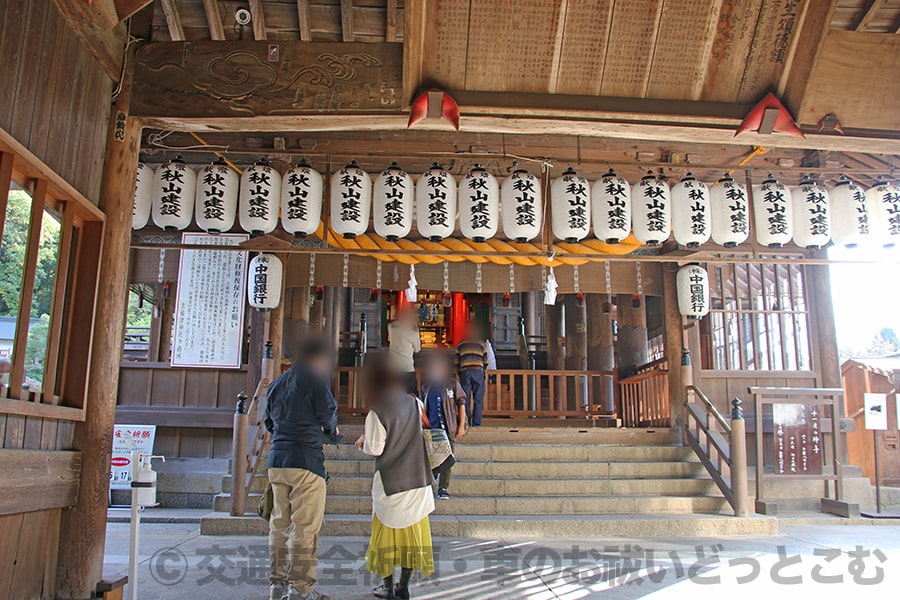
[(173, 20), (415, 32), (807, 46), (100, 33), (214, 19), (258, 20), (92, 18)]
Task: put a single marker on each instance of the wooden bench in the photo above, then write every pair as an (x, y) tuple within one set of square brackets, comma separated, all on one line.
[(112, 589)]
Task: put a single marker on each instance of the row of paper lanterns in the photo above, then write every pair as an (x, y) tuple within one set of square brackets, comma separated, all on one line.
[(809, 214), (266, 272)]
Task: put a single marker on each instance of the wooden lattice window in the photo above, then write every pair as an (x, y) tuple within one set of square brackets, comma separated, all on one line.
[(759, 318)]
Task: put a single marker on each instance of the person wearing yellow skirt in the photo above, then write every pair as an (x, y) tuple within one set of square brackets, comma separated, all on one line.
[(402, 496)]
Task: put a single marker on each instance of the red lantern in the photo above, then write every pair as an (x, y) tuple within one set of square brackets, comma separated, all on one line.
[(448, 299), (320, 292), (635, 301), (579, 300), (373, 295), (507, 300)]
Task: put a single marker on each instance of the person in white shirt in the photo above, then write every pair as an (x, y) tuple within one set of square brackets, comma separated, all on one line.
[(403, 343), (402, 496)]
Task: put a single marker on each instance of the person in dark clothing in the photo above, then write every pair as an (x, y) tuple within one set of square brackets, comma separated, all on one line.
[(472, 361), (445, 403), (301, 415)]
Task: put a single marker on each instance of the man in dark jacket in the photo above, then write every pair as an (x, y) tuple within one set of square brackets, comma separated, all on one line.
[(301, 414)]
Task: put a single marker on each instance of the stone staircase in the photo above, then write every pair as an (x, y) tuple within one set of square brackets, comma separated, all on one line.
[(538, 482)]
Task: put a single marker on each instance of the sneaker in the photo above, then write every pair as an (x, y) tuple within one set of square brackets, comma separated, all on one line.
[(442, 494), (277, 591), (293, 594)]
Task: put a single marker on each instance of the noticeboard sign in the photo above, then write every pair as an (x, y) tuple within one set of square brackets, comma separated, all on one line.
[(798, 439), (126, 439)]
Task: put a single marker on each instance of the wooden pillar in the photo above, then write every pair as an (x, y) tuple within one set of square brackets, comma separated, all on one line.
[(316, 316), (601, 350), (255, 348), (818, 281), (556, 351), (576, 334), (83, 527), (531, 311), (167, 321), (633, 347), (674, 332)]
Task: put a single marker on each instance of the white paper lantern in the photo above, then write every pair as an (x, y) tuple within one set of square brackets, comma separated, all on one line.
[(260, 198), (611, 208), (570, 204), (216, 197), (351, 201), (692, 283), (812, 214), (392, 203), (651, 210), (521, 206), (143, 196), (851, 219), (773, 211), (691, 218), (884, 200), (479, 205), (730, 212), (173, 195), (436, 203), (264, 281), (301, 200)]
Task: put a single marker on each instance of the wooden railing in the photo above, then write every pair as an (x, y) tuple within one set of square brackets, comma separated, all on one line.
[(720, 445), (515, 393), (644, 397), (249, 438)]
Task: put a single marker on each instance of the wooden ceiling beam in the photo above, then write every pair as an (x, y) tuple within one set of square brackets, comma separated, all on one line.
[(173, 20), (415, 24), (258, 20), (806, 48), (91, 24), (303, 18), (867, 14), (347, 20), (214, 19), (127, 8), (390, 32)]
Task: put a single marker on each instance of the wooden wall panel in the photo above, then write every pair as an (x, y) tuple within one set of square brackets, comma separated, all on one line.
[(730, 49), (631, 46), (582, 51), (770, 48), (533, 51), (444, 59), (36, 480), (28, 554), (54, 98)]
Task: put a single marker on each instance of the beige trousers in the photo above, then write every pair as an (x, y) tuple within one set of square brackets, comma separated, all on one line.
[(297, 514)]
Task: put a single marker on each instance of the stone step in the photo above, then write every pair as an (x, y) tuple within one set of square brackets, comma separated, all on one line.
[(542, 453), (340, 469), (484, 487), (524, 505), (540, 526)]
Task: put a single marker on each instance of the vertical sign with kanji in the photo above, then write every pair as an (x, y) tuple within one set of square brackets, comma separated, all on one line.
[(798, 439), (209, 307), (127, 439)]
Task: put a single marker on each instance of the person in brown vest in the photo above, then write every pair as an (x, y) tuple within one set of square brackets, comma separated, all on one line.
[(401, 489)]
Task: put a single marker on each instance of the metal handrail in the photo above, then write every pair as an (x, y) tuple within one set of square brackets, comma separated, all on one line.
[(710, 408)]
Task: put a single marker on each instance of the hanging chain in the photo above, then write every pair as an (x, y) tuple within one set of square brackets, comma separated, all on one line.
[(346, 269), (608, 281), (478, 278), (640, 279), (446, 276), (575, 279), (312, 278), (378, 273), (512, 278)]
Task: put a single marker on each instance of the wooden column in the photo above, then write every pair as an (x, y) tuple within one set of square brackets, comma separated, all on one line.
[(674, 331), (556, 351), (633, 347), (531, 311), (259, 333), (601, 350), (83, 528), (576, 334), (316, 316), (166, 322)]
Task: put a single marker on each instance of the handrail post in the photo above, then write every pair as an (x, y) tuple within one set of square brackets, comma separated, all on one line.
[(687, 380), (239, 456), (739, 460)]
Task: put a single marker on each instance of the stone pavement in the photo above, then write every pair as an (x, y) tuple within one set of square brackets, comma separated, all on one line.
[(176, 562)]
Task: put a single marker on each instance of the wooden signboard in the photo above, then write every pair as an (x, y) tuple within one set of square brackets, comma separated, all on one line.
[(798, 439), (251, 78), (209, 308)]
